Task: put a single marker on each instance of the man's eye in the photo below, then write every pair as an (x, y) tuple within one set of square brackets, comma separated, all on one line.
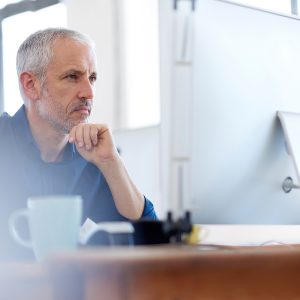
[(93, 78), (72, 76)]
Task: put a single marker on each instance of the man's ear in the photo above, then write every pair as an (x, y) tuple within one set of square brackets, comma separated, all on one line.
[(30, 85)]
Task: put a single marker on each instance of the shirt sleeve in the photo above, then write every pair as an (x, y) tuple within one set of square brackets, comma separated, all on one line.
[(149, 212)]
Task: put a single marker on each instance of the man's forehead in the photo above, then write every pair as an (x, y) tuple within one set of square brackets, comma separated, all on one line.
[(72, 54)]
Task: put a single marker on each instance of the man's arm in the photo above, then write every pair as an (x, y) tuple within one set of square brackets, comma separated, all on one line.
[(94, 142)]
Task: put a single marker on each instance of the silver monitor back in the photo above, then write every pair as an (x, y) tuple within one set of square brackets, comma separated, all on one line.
[(245, 67)]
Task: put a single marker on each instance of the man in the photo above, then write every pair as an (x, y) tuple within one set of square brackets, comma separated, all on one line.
[(48, 147)]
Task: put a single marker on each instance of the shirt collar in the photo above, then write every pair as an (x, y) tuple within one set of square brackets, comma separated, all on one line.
[(24, 134), (21, 126)]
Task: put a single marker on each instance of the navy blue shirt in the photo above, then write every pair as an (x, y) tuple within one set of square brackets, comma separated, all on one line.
[(24, 174)]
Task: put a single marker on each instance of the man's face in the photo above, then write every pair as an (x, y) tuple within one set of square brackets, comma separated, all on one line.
[(67, 94)]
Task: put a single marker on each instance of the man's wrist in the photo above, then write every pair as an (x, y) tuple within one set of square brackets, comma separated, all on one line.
[(109, 164)]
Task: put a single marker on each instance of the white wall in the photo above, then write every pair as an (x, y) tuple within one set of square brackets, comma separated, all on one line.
[(140, 151), (140, 148), (97, 19)]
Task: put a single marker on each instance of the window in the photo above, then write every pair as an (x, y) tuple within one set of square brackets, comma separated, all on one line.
[(13, 35), (140, 63)]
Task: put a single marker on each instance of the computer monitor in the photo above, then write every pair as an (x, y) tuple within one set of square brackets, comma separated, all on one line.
[(245, 67)]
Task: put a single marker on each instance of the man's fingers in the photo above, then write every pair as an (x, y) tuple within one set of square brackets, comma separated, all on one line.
[(94, 135), (87, 137), (79, 136), (72, 135)]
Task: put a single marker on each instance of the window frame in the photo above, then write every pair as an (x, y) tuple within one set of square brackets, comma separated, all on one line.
[(11, 10)]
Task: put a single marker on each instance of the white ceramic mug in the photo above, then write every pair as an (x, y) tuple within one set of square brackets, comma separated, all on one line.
[(54, 223)]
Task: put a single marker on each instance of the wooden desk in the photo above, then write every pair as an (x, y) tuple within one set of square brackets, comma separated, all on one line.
[(164, 272), (24, 281)]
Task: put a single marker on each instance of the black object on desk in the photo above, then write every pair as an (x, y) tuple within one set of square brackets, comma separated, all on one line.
[(151, 232), (146, 232)]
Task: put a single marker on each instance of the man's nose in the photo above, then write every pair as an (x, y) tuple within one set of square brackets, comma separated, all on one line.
[(86, 89)]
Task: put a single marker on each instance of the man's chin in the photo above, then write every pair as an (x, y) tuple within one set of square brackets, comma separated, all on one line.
[(83, 121), (81, 118), (77, 122)]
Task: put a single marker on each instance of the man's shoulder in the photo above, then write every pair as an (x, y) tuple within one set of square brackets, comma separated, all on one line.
[(5, 116), (5, 120), (6, 135)]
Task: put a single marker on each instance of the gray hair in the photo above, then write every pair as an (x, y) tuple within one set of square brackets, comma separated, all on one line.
[(36, 52)]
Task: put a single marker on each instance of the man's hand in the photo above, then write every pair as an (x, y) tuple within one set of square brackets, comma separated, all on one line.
[(94, 142)]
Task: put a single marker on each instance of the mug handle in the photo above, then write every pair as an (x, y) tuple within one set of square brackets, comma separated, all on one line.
[(13, 230)]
